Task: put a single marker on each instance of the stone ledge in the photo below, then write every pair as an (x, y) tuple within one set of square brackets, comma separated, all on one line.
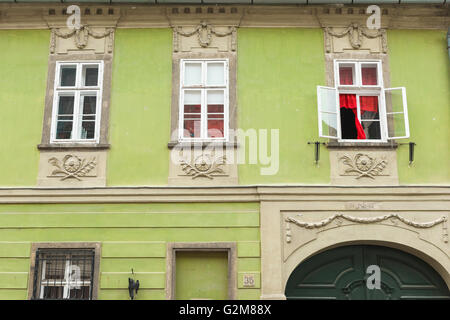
[(202, 144), (382, 145), (73, 146)]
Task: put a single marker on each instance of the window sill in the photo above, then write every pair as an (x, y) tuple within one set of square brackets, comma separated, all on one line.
[(72, 146), (380, 145), (202, 144)]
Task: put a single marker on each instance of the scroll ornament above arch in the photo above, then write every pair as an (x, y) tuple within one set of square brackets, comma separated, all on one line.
[(206, 36), (355, 37), (82, 39), (312, 230)]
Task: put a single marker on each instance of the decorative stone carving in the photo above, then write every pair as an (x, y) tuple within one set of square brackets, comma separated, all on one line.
[(206, 36), (363, 165), (80, 40), (359, 38), (204, 166), (71, 166), (198, 166), (339, 217)]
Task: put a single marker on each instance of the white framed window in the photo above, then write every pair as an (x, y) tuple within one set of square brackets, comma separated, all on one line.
[(64, 274), (359, 108), (204, 102), (77, 100)]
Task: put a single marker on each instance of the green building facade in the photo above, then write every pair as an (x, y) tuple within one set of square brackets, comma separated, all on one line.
[(212, 226)]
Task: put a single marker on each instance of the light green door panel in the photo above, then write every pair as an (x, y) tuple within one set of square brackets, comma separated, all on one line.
[(201, 275)]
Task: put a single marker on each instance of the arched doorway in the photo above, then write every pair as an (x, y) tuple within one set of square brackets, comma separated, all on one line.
[(340, 273)]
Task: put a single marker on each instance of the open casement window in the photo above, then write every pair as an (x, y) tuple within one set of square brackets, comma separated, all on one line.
[(359, 109), (327, 99), (397, 116), (77, 102), (204, 100), (64, 274)]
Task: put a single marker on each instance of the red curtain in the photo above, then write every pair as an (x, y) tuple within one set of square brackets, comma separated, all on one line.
[(349, 101), (368, 103)]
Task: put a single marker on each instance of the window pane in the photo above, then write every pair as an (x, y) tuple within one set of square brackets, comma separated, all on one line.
[(90, 75), (215, 97), (64, 130), (89, 104), (346, 74), (192, 97), (192, 108), (192, 74), (66, 105), (191, 128), (65, 117), (369, 74), (369, 107), (68, 76), (55, 267), (396, 125), (215, 128), (87, 130), (80, 293), (215, 74), (215, 108), (327, 100), (52, 292), (371, 129), (192, 114), (329, 124)]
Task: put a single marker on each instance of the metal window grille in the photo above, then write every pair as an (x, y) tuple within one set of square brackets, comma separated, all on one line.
[(64, 274)]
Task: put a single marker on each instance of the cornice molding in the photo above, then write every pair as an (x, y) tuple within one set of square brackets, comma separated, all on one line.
[(43, 16), (437, 196)]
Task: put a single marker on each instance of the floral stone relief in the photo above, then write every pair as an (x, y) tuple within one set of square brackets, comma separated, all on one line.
[(71, 166)]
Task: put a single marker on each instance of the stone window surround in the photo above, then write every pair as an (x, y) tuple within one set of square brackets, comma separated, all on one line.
[(106, 98), (66, 245), (232, 102), (330, 79), (174, 247)]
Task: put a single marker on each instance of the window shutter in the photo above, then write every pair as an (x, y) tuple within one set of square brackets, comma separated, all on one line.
[(396, 113), (328, 112)]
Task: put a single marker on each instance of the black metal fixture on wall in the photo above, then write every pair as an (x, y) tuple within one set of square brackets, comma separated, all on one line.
[(316, 150), (133, 286), (411, 151)]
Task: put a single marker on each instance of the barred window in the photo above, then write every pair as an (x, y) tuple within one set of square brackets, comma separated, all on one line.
[(64, 274)]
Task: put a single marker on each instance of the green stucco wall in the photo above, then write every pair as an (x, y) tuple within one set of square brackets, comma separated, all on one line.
[(23, 79), (132, 236), (419, 61), (140, 107), (278, 71)]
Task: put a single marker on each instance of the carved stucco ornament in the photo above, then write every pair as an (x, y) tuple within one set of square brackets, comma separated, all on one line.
[(362, 165), (204, 166), (356, 34), (204, 33), (339, 217), (81, 37), (71, 166)]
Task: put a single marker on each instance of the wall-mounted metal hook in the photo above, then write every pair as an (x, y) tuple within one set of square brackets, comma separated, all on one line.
[(316, 150), (411, 151)]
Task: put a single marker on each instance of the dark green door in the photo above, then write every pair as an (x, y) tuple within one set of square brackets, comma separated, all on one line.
[(340, 273)]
